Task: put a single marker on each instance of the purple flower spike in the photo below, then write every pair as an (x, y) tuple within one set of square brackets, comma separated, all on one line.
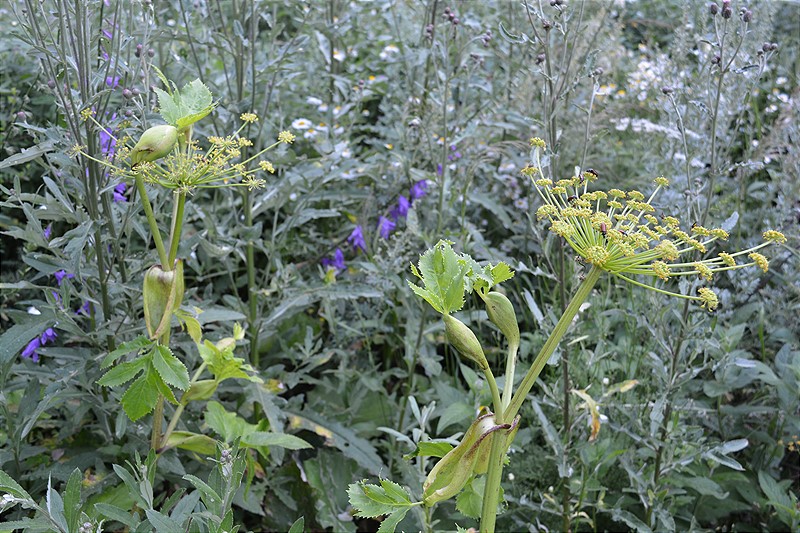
[(30, 350), (402, 208), (108, 144), (48, 336), (61, 274), (385, 227), (337, 262), (338, 259), (119, 192), (356, 239), (419, 189)]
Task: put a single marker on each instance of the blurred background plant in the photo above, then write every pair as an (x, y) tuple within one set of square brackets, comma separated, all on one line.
[(412, 122)]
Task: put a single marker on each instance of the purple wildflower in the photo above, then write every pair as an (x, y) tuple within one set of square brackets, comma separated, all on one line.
[(402, 208), (61, 274), (30, 350), (119, 192), (112, 81), (356, 239), (338, 259), (385, 227), (108, 143), (56, 296), (439, 169), (455, 155), (84, 309), (419, 189), (337, 262), (48, 231), (48, 336)]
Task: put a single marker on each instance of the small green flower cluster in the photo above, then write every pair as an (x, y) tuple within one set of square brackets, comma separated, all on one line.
[(618, 232), (163, 157)]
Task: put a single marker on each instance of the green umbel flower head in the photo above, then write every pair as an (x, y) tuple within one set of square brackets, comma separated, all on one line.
[(618, 232)]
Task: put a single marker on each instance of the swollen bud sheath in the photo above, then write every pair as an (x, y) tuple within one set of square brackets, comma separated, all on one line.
[(154, 144), (501, 313), (469, 458), (163, 293), (464, 340)]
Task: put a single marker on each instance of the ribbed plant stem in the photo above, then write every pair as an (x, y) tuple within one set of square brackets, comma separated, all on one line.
[(581, 295), (151, 220), (491, 493), (177, 227)]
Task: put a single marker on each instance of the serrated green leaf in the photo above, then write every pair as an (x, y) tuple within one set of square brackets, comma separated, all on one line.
[(193, 328), (141, 397), (501, 272), (168, 107), (185, 107), (390, 522), (442, 273), (365, 506), (163, 388), (282, 440), (395, 492), (470, 500), (377, 494), (170, 368), (123, 373), (137, 344), (196, 96)]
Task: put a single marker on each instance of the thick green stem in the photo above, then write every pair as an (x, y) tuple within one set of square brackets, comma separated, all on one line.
[(176, 416), (511, 365), (498, 405), (151, 220), (177, 226), (252, 326), (167, 263), (158, 416), (582, 294), (491, 492)]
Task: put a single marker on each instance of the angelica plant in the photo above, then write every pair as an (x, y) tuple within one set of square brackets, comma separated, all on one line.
[(614, 232), (167, 157)]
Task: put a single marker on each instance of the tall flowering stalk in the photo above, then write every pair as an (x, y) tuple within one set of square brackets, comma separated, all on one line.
[(615, 232), (167, 156)]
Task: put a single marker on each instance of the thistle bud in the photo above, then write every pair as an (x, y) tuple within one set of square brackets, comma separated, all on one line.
[(713, 8), (501, 313), (154, 144), (464, 340), (163, 293)]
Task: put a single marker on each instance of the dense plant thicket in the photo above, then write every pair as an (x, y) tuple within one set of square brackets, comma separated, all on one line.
[(300, 361)]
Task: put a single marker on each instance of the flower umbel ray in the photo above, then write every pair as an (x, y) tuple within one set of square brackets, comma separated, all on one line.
[(617, 231), (188, 167)]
